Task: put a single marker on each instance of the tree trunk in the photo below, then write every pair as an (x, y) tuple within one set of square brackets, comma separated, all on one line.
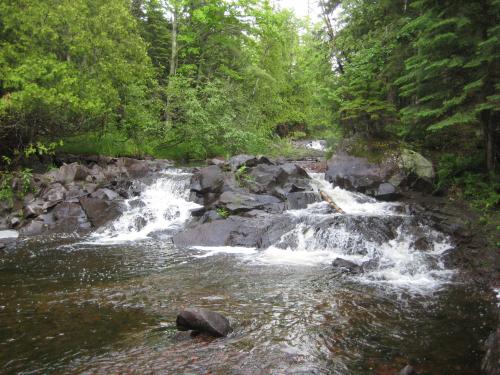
[(490, 141), (173, 54)]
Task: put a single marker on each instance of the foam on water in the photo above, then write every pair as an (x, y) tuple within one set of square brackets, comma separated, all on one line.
[(162, 206), (351, 202)]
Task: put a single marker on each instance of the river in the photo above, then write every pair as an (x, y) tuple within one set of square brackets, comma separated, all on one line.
[(106, 302)]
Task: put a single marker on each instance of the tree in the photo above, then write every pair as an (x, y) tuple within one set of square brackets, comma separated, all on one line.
[(71, 66), (451, 78)]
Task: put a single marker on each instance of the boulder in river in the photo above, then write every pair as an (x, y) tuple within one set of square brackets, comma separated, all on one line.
[(407, 370), (100, 211), (203, 321), (347, 266)]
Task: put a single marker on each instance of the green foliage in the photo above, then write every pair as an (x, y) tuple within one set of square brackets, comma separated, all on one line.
[(459, 175), (223, 212), (71, 66), (242, 177), (15, 184)]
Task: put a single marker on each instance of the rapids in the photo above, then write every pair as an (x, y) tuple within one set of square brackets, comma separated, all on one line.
[(106, 303)]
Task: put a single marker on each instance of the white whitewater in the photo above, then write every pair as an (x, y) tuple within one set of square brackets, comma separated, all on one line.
[(397, 263), (162, 206)]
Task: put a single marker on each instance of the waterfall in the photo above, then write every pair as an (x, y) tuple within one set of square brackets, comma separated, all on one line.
[(162, 206), (371, 234), (376, 236)]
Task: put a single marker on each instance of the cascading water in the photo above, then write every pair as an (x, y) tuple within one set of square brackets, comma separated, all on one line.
[(162, 206), (373, 235)]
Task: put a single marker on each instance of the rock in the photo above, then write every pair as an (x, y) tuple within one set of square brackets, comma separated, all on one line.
[(248, 161), (133, 167), (300, 199), (203, 321), (100, 211), (347, 266), (238, 202), (216, 161), (71, 216), (353, 173), (384, 180), (208, 180), (14, 221), (105, 193), (239, 160), (422, 244), (33, 228), (407, 370), (71, 172), (413, 162), (258, 230), (386, 192), (491, 361), (275, 179), (34, 209), (55, 193)]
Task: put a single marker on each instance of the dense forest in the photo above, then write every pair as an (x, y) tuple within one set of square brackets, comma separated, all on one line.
[(189, 79)]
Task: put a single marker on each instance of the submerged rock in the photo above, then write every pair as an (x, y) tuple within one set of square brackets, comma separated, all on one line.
[(407, 370), (491, 361), (344, 265), (203, 321)]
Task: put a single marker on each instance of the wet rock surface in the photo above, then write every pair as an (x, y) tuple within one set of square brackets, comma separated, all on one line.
[(203, 321)]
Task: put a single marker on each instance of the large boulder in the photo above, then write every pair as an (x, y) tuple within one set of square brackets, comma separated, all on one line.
[(236, 202), (105, 193), (208, 180), (71, 172), (347, 266), (100, 211), (258, 230), (275, 179), (300, 199), (249, 161), (133, 167), (384, 180), (203, 321), (69, 217), (354, 173)]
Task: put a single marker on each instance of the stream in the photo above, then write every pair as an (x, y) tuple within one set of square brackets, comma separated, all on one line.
[(106, 302)]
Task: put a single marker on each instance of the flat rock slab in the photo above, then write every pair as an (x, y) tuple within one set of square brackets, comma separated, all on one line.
[(203, 321)]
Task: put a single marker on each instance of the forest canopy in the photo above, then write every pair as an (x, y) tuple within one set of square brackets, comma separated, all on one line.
[(195, 78)]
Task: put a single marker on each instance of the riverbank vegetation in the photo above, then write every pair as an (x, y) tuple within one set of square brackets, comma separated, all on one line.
[(192, 79)]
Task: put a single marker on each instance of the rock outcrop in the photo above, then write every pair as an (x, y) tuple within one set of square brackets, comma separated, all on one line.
[(83, 194), (384, 180)]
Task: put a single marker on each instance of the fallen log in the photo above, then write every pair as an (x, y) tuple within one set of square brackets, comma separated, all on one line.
[(330, 201)]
